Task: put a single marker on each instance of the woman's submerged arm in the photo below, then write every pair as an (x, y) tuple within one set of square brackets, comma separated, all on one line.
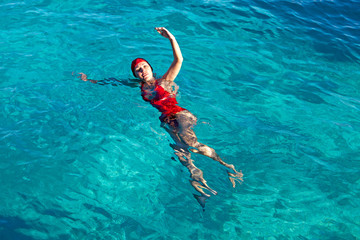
[(83, 77), (113, 81), (175, 66)]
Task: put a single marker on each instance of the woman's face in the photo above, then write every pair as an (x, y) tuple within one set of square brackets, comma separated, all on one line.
[(143, 71)]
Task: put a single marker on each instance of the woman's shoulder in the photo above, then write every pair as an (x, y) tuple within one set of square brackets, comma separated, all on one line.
[(163, 80), (169, 86)]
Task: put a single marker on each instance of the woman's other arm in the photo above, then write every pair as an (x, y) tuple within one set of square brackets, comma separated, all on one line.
[(84, 78), (175, 66)]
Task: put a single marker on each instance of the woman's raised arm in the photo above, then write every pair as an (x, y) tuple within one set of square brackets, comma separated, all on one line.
[(175, 66)]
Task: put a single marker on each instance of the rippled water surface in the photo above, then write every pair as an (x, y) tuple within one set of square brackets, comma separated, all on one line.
[(274, 84)]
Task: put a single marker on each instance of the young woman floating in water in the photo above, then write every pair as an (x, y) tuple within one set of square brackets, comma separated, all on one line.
[(177, 121)]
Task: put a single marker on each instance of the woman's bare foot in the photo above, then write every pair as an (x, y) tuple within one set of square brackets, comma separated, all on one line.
[(235, 177), (198, 187)]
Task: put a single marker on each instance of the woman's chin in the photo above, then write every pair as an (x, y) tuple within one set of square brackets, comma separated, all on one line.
[(148, 78)]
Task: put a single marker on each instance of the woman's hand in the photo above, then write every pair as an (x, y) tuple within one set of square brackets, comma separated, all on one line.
[(175, 66), (83, 76), (165, 33)]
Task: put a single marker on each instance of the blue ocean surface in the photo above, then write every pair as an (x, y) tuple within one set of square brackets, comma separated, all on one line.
[(274, 85)]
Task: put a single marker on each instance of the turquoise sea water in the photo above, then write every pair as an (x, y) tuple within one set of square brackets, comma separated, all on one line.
[(275, 85)]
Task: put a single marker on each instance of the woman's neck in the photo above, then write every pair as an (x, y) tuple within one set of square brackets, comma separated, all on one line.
[(149, 82)]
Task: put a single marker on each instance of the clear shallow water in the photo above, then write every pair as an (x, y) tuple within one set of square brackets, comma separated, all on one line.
[(274, 85)]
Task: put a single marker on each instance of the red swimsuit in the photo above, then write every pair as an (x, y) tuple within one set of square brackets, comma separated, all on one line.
[(163, 101)]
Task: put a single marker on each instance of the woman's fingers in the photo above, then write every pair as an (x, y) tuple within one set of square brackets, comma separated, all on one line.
[(83, 76), (160, 29), (163, 31)]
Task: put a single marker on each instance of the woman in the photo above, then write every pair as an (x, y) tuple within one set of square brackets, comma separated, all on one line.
[(176, 120)]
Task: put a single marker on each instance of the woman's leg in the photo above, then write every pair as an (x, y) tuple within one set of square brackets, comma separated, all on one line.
[(182, 152), (198, 181), (186, 120)]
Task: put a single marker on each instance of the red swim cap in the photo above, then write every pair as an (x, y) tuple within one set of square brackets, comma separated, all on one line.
[(136, 62)]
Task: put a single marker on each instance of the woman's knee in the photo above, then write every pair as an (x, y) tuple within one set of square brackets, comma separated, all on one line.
[(189, 138), (206, 150)]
